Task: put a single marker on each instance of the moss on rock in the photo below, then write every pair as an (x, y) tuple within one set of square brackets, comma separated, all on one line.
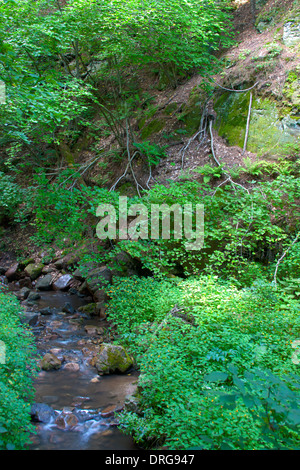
[(271, 128), (153, 127), (112, 358), (192, 111), (34, 270)]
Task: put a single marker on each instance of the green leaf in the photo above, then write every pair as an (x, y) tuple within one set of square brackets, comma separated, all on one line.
[(294, 416), (216, 376)]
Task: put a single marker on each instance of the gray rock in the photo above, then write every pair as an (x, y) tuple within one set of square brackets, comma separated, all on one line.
[(291, 32), (42, 413), (68, 308), (12, 272), (33, 296), (24, 293), (63, 282), (59, 264), (77, 274), (30, 318), (46, 311), (44, 283)]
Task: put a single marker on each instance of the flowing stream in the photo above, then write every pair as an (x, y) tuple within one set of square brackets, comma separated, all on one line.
[(80, 404)]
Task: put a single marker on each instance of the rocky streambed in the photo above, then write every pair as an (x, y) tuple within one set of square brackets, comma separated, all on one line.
[(84, 379)]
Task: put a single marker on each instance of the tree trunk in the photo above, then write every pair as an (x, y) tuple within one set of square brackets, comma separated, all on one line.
[(253, 10)]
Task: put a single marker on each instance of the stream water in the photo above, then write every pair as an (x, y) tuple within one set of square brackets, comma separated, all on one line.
[(81, 402)]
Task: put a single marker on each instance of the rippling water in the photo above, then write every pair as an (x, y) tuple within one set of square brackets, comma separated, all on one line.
[(77, 396)]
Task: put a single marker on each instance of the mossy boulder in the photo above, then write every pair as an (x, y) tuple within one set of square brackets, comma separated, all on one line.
[(112, 358), (50, 362), (271, 130), (192, 111), (153, 127), (33, 270)]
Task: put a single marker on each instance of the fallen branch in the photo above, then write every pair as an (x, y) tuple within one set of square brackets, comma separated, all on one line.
[(237, 91)]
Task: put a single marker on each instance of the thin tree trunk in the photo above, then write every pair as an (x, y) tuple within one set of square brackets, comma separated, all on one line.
[(253, 10)]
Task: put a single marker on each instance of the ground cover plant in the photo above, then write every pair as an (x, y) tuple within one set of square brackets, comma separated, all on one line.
[(17, 369), (214, 356)]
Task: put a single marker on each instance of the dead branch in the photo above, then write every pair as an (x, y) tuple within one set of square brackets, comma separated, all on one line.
[(283, 256), (247, 125)]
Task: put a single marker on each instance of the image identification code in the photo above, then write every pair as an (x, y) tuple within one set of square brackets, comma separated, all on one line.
[(152, 459)]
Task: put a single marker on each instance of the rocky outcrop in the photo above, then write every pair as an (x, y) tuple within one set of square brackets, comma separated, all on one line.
[(291, 32)]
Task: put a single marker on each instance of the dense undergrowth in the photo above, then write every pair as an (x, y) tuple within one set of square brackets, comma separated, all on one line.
[(218, 369), (17, 368)]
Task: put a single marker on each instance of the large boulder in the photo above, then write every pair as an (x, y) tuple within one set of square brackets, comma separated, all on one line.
[(111, 359), (33, 270)]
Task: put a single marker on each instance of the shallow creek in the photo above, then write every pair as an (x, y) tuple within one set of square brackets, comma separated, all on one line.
[(81, 402)]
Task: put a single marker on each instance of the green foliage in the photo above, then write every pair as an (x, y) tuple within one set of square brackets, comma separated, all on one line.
[(63, 213), (153, 152), (269, 168), (209, 172), (17, 369), (11, 195), (48, 51), (212, 356), (241, 227)]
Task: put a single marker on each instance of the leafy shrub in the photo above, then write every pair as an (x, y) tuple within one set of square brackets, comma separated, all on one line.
[(17, 368), (11, 195), (153, 152), (63, 214)]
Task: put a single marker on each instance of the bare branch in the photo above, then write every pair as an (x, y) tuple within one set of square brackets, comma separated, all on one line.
[(247, 125), (283, 256)]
